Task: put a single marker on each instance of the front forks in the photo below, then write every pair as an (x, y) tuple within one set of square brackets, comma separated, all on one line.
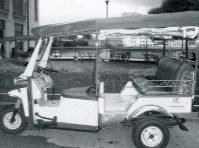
[(22, 101), (15, 111)]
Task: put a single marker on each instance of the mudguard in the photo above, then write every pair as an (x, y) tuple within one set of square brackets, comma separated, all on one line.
[(22, 96), (149, 108)]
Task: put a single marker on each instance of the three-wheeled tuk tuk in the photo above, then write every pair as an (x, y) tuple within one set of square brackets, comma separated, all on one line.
[(150, 106)]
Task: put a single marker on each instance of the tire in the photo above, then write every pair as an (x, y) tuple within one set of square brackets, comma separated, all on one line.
[(151, 133), (134, 128), (19, 124)]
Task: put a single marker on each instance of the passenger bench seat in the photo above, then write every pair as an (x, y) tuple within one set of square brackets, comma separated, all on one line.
[(168, 69)]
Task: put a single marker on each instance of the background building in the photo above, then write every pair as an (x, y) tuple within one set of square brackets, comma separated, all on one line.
[(137, 41), (17, 18), (127, 14)]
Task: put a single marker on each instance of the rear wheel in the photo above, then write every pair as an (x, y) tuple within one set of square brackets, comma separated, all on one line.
[(151, 133), (16, 127), (134, 127)]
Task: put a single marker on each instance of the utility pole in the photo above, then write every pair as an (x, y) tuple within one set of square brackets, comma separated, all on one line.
[(164, 48), (28, 22), (107, 2), (187, 48)]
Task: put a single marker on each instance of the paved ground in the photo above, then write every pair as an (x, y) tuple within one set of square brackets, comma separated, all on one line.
[(116, 137)]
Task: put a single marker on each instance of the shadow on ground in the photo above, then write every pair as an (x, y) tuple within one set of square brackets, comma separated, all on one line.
[(17, 141)]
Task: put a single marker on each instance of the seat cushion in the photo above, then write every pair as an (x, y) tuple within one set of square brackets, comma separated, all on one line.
[(171, 69), (167, 69), (86, 93)]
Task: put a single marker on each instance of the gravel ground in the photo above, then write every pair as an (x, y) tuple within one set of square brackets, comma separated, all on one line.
[(18, 141)]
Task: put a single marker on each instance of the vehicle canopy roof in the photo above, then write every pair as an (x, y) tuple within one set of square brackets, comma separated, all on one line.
[(179, 19)]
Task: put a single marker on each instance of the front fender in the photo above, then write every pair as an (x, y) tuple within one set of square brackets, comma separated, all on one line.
[(148, 108), (16, 93), (22, 96)]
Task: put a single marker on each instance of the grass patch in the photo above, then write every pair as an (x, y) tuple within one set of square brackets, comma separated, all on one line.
[(75, 74), (9, 69)]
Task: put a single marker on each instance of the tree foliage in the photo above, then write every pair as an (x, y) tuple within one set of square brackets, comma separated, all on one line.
[(169, 6)]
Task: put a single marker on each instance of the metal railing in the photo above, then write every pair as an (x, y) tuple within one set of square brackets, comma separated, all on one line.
[(184, 86), (172, 87)]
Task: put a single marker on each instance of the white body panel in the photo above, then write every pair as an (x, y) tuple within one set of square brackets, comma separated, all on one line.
[(171, 104), (71, 111), (129, 90), (67, 110)]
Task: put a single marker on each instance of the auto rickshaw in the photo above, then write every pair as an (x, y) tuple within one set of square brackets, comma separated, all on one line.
[(149, 105)]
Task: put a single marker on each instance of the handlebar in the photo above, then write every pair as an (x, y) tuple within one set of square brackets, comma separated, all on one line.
[(47, 69)]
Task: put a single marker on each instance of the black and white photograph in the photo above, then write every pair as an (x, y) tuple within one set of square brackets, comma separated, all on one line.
[(99, 73)]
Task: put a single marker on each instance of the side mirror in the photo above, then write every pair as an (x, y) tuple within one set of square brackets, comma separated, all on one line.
[(19, 82)]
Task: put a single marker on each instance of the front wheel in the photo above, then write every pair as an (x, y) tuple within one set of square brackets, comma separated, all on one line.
[(151, 133), (16, 127)]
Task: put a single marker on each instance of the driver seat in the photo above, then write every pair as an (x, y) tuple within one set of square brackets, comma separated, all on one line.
[(84, 93)]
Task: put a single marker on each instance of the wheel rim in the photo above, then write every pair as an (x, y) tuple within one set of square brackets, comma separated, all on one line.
[(151, 136), (15, 125)]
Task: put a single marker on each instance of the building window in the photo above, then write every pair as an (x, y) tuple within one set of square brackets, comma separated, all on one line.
[(4, 4), (19, 32), (19, 8), (36, 10), (18, 29), (2, 24)]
